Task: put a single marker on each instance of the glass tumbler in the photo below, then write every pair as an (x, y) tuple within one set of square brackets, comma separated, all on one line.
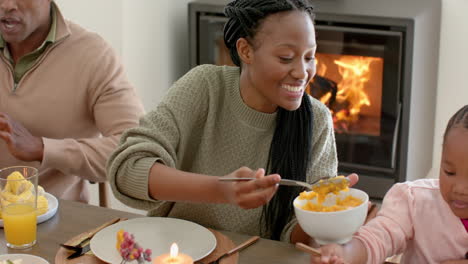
[(18, 200)]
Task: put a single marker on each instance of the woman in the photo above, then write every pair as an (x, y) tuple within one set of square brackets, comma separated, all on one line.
[(253, 120)]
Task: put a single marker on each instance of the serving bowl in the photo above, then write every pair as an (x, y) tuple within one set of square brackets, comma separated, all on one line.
[(332, 227)]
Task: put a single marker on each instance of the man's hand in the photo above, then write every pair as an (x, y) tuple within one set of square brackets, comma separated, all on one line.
[(20, 142), (462, 261)]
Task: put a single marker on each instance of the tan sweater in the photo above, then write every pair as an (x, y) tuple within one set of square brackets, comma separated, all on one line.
[(76, 97), (203, 126)]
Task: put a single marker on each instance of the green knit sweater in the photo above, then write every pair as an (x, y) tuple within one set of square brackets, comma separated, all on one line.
[(203, 126)]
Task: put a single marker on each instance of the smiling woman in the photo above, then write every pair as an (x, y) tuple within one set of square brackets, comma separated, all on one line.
[(249, 120)]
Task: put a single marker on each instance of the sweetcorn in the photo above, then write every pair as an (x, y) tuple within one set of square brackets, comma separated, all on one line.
[(21, 189), (324, 188), (120, 239), (18, 183), (321, 191)]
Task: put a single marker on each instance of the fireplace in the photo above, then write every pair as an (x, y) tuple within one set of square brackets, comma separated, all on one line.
[(365, 75)]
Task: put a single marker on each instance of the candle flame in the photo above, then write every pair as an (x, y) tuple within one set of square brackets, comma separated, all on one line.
[(174, 250)]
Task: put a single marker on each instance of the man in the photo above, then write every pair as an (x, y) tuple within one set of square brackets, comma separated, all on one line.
[(64, 98)]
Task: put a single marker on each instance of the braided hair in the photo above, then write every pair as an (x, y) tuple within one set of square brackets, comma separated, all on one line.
[(459, 119), (291, 146)]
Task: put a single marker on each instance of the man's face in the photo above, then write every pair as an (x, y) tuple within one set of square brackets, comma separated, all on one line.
[(21, 19)]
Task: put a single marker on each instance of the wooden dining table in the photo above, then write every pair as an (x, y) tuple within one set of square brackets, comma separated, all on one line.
[(74, 218)]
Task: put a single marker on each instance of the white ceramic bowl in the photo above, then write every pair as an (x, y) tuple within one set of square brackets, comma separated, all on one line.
[(333, 227)]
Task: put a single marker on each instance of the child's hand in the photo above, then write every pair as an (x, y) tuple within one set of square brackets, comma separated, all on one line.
[(331, 254), (254, 193)]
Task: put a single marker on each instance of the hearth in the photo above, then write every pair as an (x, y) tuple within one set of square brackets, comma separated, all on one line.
[(366, 76)]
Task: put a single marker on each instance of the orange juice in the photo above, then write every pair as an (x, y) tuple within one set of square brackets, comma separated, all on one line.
[(20, 224)]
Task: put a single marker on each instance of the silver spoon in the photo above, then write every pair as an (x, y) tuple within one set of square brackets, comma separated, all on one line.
[(295, 183)]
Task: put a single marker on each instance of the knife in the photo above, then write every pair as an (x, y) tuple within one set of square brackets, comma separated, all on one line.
[(83, 238), (79, 251), (81, 244)]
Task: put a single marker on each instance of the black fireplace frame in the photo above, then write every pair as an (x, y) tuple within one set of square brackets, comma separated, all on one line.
[(375, 181)]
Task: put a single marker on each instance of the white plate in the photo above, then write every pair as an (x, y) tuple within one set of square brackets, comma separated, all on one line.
[(25, 257), (53, 206), (157, 234)]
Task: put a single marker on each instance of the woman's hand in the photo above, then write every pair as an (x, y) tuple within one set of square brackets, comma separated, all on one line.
[(250, 194), (331, 254), (353, 179)]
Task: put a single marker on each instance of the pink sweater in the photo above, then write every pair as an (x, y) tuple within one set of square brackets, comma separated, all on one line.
[(78, 99), (415, 219)]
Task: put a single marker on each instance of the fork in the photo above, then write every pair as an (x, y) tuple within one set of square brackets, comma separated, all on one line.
[(247, 243)]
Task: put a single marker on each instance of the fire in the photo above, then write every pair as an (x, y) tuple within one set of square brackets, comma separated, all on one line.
[(354, 73)]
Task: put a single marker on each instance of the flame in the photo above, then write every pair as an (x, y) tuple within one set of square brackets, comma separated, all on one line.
[(174, 250), (324, 99), (351, 96), (322, 70), (355, 72)]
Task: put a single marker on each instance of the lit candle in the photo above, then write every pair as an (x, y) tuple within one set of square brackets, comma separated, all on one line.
[(174, 257)]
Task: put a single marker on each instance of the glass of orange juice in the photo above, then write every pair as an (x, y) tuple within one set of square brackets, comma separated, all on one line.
[(18, 200)]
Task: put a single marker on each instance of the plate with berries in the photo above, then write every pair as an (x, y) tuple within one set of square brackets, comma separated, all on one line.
[(153, 235)]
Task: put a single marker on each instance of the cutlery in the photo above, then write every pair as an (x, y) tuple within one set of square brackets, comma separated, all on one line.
[(314, 252), (295, 183), (79, 252), (240, 247), (81, 245)]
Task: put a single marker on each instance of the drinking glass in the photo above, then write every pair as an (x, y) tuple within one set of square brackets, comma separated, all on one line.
[(18, 199)]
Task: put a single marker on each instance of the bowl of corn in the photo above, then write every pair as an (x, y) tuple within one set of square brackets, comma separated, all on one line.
[(331, 212)]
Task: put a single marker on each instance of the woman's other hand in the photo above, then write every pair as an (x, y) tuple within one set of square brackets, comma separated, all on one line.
[(250, 194), (353, 179)]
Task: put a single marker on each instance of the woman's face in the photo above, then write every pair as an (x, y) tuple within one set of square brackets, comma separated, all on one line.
[(454, 171), (280, 62)]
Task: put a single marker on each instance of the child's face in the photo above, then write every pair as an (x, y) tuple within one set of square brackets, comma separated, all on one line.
[(454, 171)]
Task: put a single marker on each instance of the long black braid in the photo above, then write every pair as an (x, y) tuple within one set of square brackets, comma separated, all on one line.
[(460, 118), (291, 146)]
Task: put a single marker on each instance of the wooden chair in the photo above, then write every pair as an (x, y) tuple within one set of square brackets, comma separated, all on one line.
[(104, 194), (103, 188)]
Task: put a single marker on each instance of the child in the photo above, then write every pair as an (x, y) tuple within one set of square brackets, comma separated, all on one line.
[(426, 220)]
